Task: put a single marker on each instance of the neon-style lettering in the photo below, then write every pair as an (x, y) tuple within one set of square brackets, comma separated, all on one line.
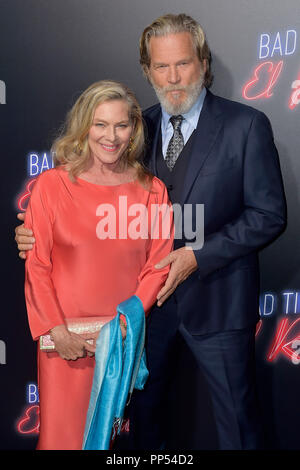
[(258, 327), (264, 45), (22, 202), (277, 45), (295, 96), (291, 51), (283, 44), (32, 393), (281, 344), (30, 422), (273, 71)]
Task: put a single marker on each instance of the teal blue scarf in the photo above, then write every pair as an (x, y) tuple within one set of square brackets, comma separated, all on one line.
[(119, 368)]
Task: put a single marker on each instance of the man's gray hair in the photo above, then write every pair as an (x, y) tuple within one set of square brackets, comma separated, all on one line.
[(173, 24)]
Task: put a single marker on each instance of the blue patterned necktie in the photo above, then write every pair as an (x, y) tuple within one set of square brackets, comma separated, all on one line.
[(176, 143)]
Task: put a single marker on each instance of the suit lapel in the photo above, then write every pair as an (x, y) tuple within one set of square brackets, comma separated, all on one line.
[(153, 128), (154, 146), (208, 128)]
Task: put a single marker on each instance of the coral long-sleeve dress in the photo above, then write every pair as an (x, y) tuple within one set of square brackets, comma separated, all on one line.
[(94, 249)]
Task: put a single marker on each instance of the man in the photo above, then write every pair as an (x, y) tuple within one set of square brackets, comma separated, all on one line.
[(219, 153)]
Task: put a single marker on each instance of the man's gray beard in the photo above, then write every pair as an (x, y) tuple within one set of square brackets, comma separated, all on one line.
[(192, 91)]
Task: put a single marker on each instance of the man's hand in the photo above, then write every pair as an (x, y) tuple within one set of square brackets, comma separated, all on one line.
[(24, 237), (70, 346), (183, 263)]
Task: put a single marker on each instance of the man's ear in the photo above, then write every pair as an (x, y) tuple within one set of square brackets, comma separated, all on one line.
[(204, 65)]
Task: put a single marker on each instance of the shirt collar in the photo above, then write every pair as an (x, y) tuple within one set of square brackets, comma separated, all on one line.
[(192, 116)]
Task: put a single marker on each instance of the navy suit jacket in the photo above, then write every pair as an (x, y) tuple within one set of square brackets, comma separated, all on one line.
[(234, 171)]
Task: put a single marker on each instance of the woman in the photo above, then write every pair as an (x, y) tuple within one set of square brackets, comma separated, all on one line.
[(91, 253)]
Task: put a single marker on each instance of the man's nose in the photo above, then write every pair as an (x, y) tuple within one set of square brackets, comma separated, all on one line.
[(173, 75)]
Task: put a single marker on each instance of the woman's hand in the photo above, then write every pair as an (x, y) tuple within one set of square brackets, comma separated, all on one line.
[(70, 346), (92, 339), (123, 328)]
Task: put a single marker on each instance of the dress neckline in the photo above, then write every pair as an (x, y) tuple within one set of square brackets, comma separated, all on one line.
[(105, 185)]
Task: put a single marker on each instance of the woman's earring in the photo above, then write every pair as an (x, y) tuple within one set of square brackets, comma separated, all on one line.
[(78, 149), (130, 145)]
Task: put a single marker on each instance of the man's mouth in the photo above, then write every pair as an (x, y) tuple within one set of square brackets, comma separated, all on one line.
[(175, 92)]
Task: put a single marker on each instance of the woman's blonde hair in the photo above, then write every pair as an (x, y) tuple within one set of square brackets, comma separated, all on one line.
[(71, 147), (173, 24)]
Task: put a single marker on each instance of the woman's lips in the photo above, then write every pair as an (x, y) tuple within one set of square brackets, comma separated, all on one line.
[(109, 148)]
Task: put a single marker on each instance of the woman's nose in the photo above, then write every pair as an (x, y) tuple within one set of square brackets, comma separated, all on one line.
[(111, 133)]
